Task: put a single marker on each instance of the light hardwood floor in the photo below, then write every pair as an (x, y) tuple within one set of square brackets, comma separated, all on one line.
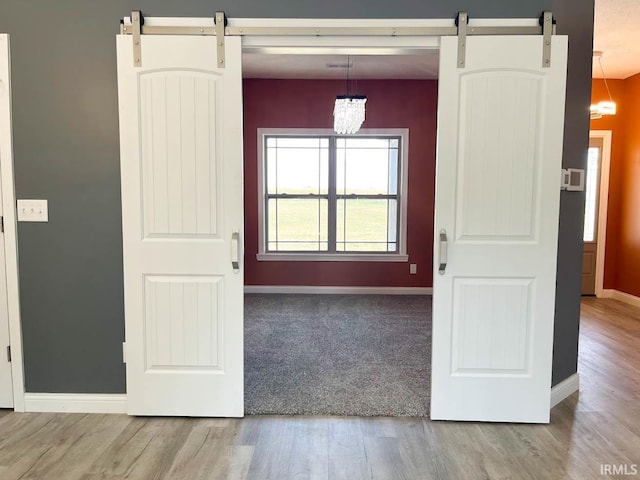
[(601, 425)]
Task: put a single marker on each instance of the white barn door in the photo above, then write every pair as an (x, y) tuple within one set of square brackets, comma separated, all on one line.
[(500, 131), (6, 379), (182, 216)]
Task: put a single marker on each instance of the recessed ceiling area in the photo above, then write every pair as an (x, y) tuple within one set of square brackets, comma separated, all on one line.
[(423, 66), (616, 34)]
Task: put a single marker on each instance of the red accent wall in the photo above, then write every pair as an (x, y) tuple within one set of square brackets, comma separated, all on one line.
[(408, 104), (622, 258)]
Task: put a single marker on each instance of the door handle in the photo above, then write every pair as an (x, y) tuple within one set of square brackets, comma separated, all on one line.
[(443, 252), (235, 251)]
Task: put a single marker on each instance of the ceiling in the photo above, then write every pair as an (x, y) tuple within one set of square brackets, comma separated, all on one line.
[(320, 67), (617, 36)]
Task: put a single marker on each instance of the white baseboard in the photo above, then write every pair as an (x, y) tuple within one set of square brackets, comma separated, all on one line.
[(605, 293), (565, 388), (621, 296), (117, 403), (298, 289), (75, 403)]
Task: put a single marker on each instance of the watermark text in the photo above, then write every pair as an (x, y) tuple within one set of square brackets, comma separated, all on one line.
[(619, 469)]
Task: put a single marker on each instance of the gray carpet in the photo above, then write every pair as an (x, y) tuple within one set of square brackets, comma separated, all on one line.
[(364, 355)]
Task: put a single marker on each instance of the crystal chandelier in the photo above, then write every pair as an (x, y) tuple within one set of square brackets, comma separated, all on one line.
[(600, 109), (348, 112)]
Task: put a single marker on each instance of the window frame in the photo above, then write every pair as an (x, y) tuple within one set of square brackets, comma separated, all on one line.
[(399, 256)]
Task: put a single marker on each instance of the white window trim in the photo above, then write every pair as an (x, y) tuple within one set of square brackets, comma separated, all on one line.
[(401, 256)]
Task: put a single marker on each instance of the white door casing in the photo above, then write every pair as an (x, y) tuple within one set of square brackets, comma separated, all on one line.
[(605, 136), (591, 221), (181, 168), (500, 133)]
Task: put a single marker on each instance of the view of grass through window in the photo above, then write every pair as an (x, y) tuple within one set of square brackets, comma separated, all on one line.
[(332, 194)]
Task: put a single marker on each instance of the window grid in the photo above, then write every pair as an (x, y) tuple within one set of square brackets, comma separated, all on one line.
[(394, 144)]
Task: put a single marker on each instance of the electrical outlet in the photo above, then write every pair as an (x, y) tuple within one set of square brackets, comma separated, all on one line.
[(33, 211), (413, 268)]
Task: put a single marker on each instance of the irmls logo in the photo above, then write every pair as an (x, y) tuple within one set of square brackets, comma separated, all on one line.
[(620, 469)]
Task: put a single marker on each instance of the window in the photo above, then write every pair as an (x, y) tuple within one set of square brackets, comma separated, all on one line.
[(330, 197), (591, 202)]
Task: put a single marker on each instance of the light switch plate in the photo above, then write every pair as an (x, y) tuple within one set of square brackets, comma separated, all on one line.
[(33, 211), (413, 268)]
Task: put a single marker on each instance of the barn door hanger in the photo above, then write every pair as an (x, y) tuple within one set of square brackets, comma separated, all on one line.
[(137, 23), (546, 21), (462, 20), (221, 25)]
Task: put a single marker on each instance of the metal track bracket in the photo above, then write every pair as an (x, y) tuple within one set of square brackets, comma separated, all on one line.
[(221, 24), (461, 22), (136, 25), (547, 30)]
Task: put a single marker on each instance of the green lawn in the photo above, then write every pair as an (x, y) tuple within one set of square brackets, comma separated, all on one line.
[(301, 220)]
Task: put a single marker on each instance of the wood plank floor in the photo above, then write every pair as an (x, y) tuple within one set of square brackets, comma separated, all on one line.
[(601, 425)]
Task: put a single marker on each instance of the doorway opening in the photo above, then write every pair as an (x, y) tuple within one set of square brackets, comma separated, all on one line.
[(492, 119), (331, 214), (596, 205)]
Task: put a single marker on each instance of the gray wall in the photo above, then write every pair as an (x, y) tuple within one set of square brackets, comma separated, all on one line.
[(575, 18), (66, 150)]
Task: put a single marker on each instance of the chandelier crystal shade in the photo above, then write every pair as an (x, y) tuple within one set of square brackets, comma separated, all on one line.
[(348, 113), (598, 110)]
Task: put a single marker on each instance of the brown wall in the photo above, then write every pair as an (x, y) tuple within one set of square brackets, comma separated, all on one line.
[(615, 124), (628, 265), (408, 104), (622, 260)]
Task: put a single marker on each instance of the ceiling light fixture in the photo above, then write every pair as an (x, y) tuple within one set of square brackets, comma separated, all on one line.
[(600, 109), (349, 110)]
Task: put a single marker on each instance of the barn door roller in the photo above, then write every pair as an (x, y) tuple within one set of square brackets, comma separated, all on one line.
[(218, 27)]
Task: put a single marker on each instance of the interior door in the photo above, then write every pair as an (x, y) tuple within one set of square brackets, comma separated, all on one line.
[(6, 388), (500, 131), (182, 221), (592, 189)]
